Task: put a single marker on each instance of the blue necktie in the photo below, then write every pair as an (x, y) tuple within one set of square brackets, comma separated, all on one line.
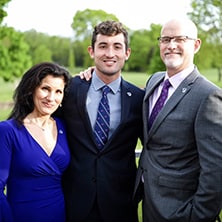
[(101, 129), (159, 103)]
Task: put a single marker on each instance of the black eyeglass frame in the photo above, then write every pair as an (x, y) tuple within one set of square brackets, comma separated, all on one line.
[(180, 38)]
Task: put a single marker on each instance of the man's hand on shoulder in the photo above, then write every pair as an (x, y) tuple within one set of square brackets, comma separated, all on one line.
[(87, 74)]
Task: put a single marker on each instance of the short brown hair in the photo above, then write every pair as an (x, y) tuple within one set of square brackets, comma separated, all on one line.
[(109, 28)]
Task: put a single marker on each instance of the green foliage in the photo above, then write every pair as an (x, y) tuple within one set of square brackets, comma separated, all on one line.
[(48, 48), (140, 56), (80, 53), (18, 53), (146, 59), (71, 63), (3, 13), (42, 53), (60, 49), (14, 58), (84, 22), (207, 15), (39, 46)]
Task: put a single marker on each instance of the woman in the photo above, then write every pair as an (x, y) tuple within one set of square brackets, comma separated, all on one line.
[(33, 149)]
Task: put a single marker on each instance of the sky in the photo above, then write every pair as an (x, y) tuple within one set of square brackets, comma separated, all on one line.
[(55, 17)]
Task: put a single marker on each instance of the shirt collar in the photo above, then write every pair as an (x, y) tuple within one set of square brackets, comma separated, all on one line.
[(97, 83), (179, 77)]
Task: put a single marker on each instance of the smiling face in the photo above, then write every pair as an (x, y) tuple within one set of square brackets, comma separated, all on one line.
[(48, 95), (109, 54), (178, 55)]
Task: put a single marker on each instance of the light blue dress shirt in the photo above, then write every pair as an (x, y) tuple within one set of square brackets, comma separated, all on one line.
[(94, 96)]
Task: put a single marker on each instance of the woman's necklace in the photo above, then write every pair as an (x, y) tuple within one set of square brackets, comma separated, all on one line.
[(43, 129), (40, 127)]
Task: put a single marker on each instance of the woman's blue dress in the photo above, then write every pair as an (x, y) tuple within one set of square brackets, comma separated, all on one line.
[(33, 179)]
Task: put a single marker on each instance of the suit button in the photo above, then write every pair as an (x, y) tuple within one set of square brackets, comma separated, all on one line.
[(93, 179)]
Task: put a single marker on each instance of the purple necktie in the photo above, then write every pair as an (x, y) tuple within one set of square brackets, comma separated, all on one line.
[(159, 103), (101, 129)]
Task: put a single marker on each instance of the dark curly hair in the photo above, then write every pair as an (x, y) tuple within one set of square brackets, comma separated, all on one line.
[(109, 28)]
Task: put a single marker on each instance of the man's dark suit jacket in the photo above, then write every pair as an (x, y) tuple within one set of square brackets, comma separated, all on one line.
[(106, 176)]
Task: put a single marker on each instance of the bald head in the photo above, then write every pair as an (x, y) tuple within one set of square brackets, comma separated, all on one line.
[(180, 27), (178, 54)]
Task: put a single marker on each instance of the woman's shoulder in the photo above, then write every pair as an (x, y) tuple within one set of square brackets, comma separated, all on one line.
[(59, 122), (8, 124), (8, 128)]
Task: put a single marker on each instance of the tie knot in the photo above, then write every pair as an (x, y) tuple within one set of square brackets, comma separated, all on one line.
[(166, 84), (105, 90)]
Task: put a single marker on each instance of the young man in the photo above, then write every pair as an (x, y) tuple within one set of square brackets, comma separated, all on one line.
[(100, 181)]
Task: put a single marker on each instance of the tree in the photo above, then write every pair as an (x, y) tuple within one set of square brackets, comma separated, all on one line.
[(80, 53), (14, 58), (38, 44), (3, 13), (83, 24), (60, 49), (48, 48), (71, 63), (208, 15), (140, 47)]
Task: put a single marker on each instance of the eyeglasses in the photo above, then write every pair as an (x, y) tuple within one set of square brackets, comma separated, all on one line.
[(177, 39)]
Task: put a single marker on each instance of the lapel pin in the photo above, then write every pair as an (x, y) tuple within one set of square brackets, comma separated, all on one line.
[(129, 93), (184, 90)]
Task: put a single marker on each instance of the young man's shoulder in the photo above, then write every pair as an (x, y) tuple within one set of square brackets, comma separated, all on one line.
[(133, 86)]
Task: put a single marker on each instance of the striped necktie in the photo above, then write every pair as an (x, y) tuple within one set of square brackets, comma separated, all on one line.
[(101, 129)]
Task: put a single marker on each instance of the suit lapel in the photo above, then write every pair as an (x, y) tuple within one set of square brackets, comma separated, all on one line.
[(126, 98), (152, 83), (177, 96), (81, 105)]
